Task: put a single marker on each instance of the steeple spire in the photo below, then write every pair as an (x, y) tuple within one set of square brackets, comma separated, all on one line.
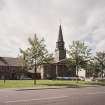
[(60, 51), (60, 41), (60, 37)]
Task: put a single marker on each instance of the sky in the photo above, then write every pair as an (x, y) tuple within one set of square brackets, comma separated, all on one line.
[(80, 19)]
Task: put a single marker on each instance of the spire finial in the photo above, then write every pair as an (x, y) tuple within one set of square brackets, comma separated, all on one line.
[(60, 21)]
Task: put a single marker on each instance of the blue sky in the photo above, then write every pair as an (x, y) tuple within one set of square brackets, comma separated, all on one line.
[(80, 19)]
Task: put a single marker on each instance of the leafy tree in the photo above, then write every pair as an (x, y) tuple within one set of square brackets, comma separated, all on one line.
[(35, 55), (23, 60), (79, 54), (100, 57), (71, 66), (92, 68)]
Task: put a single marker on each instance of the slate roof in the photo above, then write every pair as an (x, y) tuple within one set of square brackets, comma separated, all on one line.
[(9, 61)]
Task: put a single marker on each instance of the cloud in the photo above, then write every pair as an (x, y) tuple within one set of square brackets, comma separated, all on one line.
[(20, 19)]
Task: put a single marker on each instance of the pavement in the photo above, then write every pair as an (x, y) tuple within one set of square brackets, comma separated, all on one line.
[(53, 96)]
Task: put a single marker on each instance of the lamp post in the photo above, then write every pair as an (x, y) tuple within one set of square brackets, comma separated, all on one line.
[(56, 70), (4, 78)]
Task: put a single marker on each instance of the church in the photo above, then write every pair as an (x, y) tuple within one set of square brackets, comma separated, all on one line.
[(11, 68), (58, 67)]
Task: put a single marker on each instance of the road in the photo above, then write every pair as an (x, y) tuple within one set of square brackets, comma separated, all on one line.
[(55, 96)]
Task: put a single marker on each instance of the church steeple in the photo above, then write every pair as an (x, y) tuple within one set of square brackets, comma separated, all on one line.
[(60, 51), (60, 37), (60, 41)]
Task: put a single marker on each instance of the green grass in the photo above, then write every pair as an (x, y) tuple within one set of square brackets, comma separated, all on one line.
[(16, 83), (42, 83)]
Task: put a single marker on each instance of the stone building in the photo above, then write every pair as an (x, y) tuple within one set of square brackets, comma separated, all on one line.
[(58, 67), (10, 68)]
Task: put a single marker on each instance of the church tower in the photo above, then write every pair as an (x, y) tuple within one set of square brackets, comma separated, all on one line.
[(60, 51)]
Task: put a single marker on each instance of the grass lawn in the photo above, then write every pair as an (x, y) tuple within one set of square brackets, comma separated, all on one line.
[(42, 83)]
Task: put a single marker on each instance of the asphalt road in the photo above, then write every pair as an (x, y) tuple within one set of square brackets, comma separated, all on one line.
[(59, 96)]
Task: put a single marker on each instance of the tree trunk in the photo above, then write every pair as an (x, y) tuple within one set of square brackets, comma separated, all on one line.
[(35, 74), (77, 73)]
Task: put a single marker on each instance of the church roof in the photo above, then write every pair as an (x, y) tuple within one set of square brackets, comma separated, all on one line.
[(9, 61)]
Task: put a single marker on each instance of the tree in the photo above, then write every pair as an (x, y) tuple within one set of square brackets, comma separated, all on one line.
[(79, 54), (100, 57), (92, 68), (35, 55), (71, 66)]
